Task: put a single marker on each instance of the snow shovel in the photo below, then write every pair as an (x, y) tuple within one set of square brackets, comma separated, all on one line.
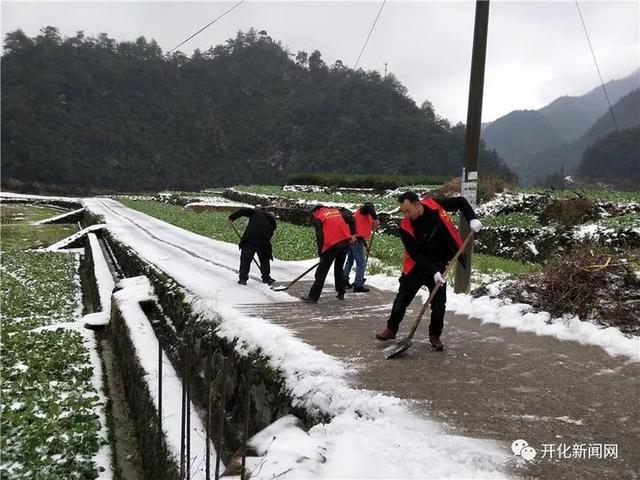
[(240, 238), (403, 345), (286, 287), (366, 261)]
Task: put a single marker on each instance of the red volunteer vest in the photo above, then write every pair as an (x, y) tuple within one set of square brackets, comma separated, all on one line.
[(334, 228), (364, 225), (405, 225)]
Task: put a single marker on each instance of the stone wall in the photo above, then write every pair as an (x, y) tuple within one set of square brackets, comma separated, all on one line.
[(269, 398)]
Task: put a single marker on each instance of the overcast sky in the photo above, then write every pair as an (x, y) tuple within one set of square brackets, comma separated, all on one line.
[(537, 51)]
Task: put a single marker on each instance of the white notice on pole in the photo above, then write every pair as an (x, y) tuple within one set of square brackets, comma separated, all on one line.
[(470, 187)]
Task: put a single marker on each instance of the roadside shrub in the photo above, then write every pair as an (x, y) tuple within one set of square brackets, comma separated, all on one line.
[(487, 188), (591, 282), (568, 212)]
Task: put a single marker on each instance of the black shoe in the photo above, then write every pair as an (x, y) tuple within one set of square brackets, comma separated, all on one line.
[(340, 296), (268, 281), (308, 300), (387, 334), (348, 285), (436, 343), (357, 289), (242, 282)]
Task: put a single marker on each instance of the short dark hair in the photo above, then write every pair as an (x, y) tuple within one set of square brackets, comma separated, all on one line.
[(411, 196), (369, 209)]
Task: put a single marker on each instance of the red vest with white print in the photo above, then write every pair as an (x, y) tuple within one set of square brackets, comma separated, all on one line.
[(334, 228), (364, 225)]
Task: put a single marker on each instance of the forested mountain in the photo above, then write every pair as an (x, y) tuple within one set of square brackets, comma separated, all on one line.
[(614, 158), (573, 116), (567, 157), (94, 113), (505, 135), (524, 137)]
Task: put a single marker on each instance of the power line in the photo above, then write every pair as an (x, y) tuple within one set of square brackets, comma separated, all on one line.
[(615, 123), (369, 36), (208, 25)]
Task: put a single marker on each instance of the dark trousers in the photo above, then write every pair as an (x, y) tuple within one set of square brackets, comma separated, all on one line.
[(335, 254), (409, 286), (246, 257)]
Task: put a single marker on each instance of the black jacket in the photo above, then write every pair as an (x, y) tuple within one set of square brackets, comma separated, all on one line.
[(260, 228), (432, 247)]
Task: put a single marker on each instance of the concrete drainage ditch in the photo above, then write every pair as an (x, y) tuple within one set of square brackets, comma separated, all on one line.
[(201, 380)]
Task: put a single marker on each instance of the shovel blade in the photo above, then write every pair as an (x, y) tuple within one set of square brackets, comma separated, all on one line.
[(279, 289), (395, 350)]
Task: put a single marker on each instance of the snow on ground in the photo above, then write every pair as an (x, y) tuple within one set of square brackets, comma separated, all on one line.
[(505, 200), (72, 238), (103, 458), (24, 196), (370, 434), (133, 291), (217, 202), (105, 284), (58, 217), (522, 318)]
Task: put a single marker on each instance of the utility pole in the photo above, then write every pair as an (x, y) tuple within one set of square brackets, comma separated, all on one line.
[(385, 69), (472, 141)]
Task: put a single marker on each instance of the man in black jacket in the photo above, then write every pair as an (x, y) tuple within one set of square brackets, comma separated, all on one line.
[(430, 240), (256, 239)]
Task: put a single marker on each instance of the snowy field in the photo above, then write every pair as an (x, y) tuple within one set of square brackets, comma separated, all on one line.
[(53, 408), (206, 269), (370, 435)]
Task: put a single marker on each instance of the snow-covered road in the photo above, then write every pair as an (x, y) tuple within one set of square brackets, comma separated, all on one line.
[(492, 383), (371, 435)]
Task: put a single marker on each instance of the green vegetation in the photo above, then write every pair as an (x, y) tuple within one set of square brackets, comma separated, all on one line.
[(50, 425), (512, 220), (38, 288), (381, 203), (598, 194), (380, 182), (290, 242), (489, 264), (11, 213), (17, 232), (614, 157), (49, 422), (35, 236), (245, 111), (630, 220)]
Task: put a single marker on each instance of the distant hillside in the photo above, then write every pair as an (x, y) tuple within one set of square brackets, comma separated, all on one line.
[(518, 137), (91, 113), (505, 135), (568, 155), (573, 116), (614, 158)]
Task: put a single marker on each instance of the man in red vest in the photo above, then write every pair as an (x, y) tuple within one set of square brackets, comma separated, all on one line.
[(335, 231), (366, 220), (430, 240)]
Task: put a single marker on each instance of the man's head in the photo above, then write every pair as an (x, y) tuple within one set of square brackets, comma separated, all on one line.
[(316, 209), (369, 209), (410, 205)]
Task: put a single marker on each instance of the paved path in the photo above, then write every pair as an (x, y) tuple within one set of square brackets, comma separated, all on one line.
[(490, 382)]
